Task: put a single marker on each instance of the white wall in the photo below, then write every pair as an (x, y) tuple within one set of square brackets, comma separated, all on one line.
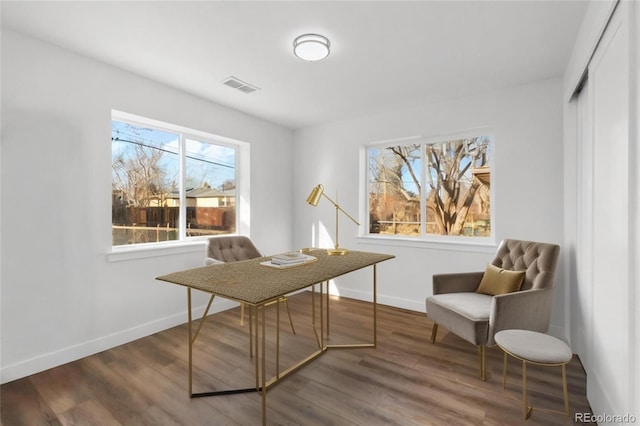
[(61, 297), (527, 178)]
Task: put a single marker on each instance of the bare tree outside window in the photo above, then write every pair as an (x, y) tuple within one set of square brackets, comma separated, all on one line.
[(458, 175), (146, 192), (145, 173), (455, 177), (394, 198)]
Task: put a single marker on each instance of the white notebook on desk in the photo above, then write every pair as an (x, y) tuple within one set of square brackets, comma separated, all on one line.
[(287, 260)]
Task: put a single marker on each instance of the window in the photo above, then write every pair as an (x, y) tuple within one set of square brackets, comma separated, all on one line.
[(170, 183), (431, 190)]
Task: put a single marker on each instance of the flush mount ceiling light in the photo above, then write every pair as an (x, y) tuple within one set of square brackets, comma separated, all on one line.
[(311, 47)]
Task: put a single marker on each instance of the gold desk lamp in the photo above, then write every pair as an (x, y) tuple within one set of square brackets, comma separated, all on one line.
[(313, 199)]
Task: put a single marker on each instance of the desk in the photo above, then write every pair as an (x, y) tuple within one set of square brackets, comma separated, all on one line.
[(258, 285)]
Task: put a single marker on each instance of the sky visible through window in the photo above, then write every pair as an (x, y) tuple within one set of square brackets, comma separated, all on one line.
[(206, 163), (414, 160)]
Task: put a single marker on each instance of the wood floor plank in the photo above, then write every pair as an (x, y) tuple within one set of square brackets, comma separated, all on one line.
[(167, 394), (405, 381), (22, 404), (61, 388), (89, 413), (350, 392)]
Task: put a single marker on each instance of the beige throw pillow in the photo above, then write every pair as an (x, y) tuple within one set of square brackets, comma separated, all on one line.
[(500, 281)]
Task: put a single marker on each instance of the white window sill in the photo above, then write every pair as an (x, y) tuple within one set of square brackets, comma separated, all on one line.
[(462, 244), (143, 251)]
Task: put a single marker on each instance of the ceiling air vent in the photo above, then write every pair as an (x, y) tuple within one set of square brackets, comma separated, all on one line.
[(240, 85)]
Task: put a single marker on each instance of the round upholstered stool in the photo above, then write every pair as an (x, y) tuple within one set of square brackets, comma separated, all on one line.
[(535, 348)]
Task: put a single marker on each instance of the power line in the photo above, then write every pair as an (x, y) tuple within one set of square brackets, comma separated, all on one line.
[(117, 139)]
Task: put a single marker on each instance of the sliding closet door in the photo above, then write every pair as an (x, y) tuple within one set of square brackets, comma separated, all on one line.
[(611, 340), (582, 292)]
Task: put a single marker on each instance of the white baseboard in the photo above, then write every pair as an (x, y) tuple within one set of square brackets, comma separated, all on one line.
[(412, 305), (72, 353), (600, 401), (397, 302)]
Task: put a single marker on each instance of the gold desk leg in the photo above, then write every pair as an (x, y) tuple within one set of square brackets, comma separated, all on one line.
[(313, 314), (321, 317), (526, 408), (286, 302), (504, 373), (202, 320), (190, 342), (313, 306), (373, 344), (564, 389), (192, 335), (254, 314), (328, 322), (251, 331), (375, 305), (277, 339), (264, 367)]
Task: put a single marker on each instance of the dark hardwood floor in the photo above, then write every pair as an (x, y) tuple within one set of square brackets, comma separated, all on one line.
[(406, 380)]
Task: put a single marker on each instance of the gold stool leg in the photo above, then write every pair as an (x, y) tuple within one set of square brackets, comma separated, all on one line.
[(564, 389), (526, 408), (504, 373), (242, 314)]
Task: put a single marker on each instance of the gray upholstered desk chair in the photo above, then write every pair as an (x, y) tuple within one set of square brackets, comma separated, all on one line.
[(234, 248), (476, 305)]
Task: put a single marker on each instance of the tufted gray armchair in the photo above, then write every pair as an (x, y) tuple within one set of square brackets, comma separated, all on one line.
[(235, 248), (477, 317), (230, 248)]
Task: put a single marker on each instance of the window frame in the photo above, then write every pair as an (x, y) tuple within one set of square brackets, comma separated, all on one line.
[(424, 239), (184, 243)]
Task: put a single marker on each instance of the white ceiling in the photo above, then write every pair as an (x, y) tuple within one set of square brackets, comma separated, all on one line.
[(385, 54)]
